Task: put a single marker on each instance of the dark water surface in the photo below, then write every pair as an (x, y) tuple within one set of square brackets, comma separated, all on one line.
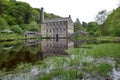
[(31, 51)]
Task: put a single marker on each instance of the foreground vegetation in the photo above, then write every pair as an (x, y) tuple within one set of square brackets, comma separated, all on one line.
[(96, 62)]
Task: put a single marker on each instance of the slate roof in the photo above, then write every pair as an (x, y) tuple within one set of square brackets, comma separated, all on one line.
[(58, 19)]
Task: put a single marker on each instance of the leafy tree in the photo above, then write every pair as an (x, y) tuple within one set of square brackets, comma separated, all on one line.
[(77, 25), (16, 29), (21, 11), (51, 15), (84, 24), (1, 7), (33, 26), (92, 28), (20, 15), (3, 24), (101, 16), (112, 23), (35, 15)]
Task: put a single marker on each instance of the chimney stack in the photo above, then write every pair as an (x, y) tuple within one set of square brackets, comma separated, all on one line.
[(69, 16), (42, 15)]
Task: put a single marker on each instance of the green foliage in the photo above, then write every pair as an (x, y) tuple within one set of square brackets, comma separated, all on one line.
[(112, 24), (16, 29), (78, 37), (3, 24), (33, 26), (106, 50), (35, 15), (9, 36), (47, 15), (18, 13), (93, 28), (20, 16), (77, 25), (104, 68)]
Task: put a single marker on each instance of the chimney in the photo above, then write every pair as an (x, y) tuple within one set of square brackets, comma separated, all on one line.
[(42, 15), (69, 16)]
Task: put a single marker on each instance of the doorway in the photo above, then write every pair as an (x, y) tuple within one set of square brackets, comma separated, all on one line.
[(57, 37)]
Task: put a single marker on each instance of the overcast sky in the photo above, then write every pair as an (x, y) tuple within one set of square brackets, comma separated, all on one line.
[(85, 10)]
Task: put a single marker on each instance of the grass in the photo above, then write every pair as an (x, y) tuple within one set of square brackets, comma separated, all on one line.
[(61, 74), (105, 50), (105, 39), (78, 37)]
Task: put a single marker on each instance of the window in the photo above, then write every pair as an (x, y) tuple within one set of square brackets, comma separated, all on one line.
[(53, 30), (56, 30), (60, 30), (64, 29), (55, 24), (50, 30), (47, 30), (58, 23)]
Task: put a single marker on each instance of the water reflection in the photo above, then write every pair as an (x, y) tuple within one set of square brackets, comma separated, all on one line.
[(55, 47), (30, 42), (31, 51)]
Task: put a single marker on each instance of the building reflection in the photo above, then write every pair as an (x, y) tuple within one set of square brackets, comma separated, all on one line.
[(30, 42), (53, 47)]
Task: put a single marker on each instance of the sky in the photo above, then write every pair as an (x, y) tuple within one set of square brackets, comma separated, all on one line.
[(85, 10)]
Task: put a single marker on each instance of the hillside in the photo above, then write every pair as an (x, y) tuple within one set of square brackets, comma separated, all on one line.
[(20, 16)]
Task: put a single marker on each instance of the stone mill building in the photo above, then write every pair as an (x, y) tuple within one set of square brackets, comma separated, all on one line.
[(56, 27)]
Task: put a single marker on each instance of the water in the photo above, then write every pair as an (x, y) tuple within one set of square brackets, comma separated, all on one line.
[(31, 51)]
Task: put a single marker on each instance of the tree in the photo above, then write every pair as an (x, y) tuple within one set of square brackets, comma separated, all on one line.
[(1, 7), (3, 24), (21, 11), (16, 29), (101, 16), (33, 26), (84, 24), (35, 15), (77, 25), (112, 24), (92, 28)]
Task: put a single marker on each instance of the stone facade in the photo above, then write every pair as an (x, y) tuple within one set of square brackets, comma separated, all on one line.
[(57, 27)]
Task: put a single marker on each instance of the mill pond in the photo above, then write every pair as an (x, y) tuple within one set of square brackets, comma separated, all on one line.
[(62, 59)]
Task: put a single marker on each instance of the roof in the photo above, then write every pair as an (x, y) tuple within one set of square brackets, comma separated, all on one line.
[(58, 19)]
